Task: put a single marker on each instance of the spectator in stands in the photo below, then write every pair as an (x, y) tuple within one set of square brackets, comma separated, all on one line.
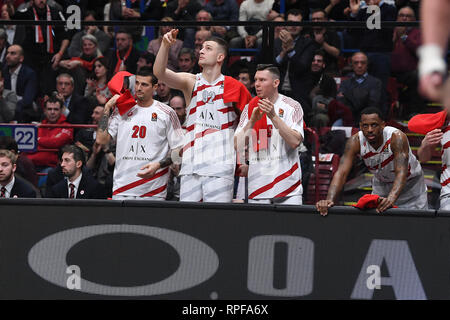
[(398, 177), (85, 138), (204, 16), (146, 59), (44, 46), (8, 101), (124, 57), (404, 62), (246, 78), (97, 85), (224, 10), (79, 184), (187, 62), (163, 92), (200, 37), (273, 155), (80, 67), (300, 5), (377, 43), (152, 10), (361, 90), (184, 10), (76, 44), (51, 138), (277, 30), (101, 164), (15, 33), (76, 107), (24, 166), (338, 9), (251, 10), (3, 46), (22, 80), (153, 46), (10, 185), (328, 40), (294, 53), (179, 105)]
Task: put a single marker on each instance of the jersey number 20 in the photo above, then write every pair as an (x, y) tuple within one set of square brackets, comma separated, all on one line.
[(141, 131)]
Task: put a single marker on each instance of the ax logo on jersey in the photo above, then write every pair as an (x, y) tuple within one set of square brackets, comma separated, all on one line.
[(208, 96)]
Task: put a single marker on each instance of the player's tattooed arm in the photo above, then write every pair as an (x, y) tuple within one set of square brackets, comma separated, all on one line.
[(167, 161), (400, 150), (103, 136)]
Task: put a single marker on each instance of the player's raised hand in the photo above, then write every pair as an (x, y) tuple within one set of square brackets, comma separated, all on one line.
[(170, 37), (323, 205), (430, 86), (112, 102), (149, 170)]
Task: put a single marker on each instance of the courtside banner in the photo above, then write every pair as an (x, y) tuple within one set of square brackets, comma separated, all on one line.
[(85, 249)]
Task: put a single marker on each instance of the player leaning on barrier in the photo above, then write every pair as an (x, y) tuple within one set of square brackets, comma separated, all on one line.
[(144, 134), (398, 177), (214, 104), (273, 125)]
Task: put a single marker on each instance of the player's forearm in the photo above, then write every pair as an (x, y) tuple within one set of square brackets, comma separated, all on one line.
[(160, 65), (102, 129), (424, 153), (399, 184), (435, 22), (292, 137)]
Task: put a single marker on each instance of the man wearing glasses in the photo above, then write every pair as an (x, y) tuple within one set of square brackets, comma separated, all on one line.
[(272, 127)]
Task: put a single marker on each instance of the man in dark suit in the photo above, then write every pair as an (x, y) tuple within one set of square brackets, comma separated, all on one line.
[(294, 54), (79, 183), (10, 185), (76, 107), (22, 80)]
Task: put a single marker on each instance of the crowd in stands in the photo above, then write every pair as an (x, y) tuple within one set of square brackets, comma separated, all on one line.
[(53, 75)]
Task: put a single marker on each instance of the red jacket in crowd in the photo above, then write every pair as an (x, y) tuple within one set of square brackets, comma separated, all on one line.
[(51, 138)]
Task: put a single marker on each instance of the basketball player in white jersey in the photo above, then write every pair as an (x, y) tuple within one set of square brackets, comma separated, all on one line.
[(431, 140), (398, 177), (435, 27), (208, 156), (274, 173), (145, 136)]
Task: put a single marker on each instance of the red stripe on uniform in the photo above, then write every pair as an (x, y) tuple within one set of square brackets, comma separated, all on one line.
[(190, 128), (277, 179), (227, 125), (156, 191), (446, 129), (444, 167), (446, 145), (446, 182), (386, 162), (369, 154), (289, 190), (198, 135), (386, 145), (140, 182), (205, 86), (226, 110)]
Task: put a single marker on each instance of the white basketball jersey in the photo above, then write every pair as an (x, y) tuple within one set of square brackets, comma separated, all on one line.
[(275, 172), (208, 149), (445, 150), (380, 162), (143, 135)]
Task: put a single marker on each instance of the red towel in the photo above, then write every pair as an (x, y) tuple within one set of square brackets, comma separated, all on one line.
[(368, 201), (115, 86), (424, 123)]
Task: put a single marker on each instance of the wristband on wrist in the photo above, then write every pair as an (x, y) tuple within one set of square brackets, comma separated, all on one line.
[(431, 59)]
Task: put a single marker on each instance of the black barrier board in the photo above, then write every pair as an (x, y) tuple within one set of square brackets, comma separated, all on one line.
[(148, 250)]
